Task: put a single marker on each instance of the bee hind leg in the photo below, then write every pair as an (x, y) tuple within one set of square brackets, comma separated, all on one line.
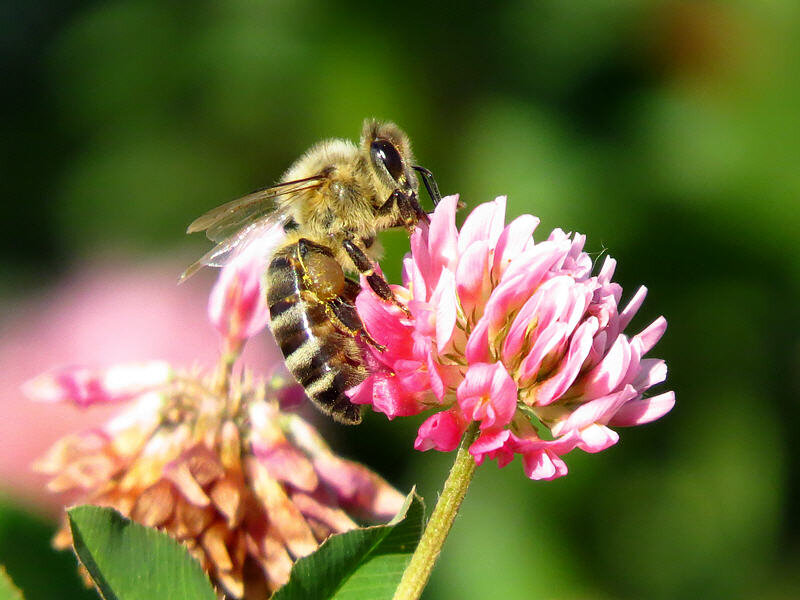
[(324, 280), (345, 316)]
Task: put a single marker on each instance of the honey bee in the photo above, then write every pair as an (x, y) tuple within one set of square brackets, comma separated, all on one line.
[(327, 210)]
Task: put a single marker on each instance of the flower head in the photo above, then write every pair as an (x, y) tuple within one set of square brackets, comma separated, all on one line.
[(246, 487), (518, 336)]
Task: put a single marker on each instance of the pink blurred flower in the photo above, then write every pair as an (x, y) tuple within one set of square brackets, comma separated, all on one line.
[(103, 313), (83, 386), (516, 335), (237, 306)]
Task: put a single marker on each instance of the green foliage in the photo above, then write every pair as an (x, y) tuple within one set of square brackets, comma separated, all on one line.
[(363, 564), (8, 590), (26, 553), (128, 561), (665, 131)]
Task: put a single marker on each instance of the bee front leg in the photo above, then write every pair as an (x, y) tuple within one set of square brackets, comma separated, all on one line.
[(411, 211), (408, 207), (375, 280)]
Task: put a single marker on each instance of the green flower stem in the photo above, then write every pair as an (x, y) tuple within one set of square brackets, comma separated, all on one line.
[(444, 513), (222, 377)]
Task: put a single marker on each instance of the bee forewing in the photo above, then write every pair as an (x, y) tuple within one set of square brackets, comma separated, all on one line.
[(223, 220), (246, 206), (267, 232)]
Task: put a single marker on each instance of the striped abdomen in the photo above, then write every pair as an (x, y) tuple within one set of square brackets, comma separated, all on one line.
[(323, 358)]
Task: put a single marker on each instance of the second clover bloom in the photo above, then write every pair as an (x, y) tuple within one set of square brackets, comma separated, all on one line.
[(247, 487), (516, 335)]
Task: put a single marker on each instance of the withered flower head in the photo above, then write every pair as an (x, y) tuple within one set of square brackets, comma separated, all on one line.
[(246, 487)]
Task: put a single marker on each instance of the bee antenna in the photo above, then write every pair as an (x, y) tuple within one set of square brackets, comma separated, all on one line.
[(430, 183)]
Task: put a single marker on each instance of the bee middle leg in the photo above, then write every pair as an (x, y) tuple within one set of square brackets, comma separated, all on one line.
[(324, 278), (375, 279)]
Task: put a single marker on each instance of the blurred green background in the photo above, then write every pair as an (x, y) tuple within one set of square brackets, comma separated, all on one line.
[(669, 132)]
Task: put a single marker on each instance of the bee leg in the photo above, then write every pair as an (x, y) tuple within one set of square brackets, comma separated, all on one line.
[(326, 285), (410, 211), (375, 280), (388, 206), (345, 316), (409, 208)]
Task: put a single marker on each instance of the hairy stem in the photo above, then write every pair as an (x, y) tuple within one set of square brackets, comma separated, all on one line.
[(444, 513), (222, 377)]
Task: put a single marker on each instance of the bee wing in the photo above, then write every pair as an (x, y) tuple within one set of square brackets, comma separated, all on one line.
[(229, 219), (241, 222), (266, 231)]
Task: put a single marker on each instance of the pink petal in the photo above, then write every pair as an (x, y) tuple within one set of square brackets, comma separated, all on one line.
[(579, 347), (237, 305), (596, 438), (362, 393), (498, 221), (557, 235), (484, 223), (446, 303), (651, 334), (610, 372), (335, 518), (84, 387), (477, 348), (488, 394), (503, 455), (487, 443), (524, 274), (543, 465), (550, 341), (286, 463), (607, 271), (437, 382), (599, 410), (549, 302), (515, 239), (639, 412), (393, 399), (422, 260), (528, 318), (357, 488), (291, 397), (577, 263), (414, 280), (384, 324), (443, 238), (472, 277), (652, 371), (441, 431), (632, 308)]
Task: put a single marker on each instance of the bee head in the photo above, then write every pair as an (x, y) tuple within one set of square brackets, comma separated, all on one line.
[(389, 154)]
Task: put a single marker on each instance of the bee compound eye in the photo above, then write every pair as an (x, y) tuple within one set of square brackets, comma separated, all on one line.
[(384, 152)]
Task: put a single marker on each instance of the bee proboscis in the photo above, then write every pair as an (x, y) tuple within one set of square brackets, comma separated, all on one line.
[(327, 210)]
